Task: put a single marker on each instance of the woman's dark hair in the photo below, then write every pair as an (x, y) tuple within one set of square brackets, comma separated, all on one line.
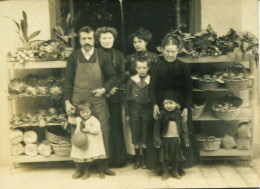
[(141, 33), (170, 39), (81, 105), (101, 30), (86, 29)]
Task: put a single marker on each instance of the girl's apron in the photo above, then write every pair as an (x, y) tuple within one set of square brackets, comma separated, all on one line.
[(88, 78), (95, 149)]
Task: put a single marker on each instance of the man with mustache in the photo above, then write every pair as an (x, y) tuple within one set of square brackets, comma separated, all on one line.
[(88, 76)]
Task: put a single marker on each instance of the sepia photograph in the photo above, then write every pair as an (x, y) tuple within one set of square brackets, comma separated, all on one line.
[(129, 94)]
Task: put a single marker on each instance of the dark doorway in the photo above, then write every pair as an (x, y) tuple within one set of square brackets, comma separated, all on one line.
[(158, 16)]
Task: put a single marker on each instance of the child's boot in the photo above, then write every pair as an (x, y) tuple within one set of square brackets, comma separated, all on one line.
[(143, 159), (175, 169), (86, 174), (79, 171), (100, 169), (165, 174), (137, 162)]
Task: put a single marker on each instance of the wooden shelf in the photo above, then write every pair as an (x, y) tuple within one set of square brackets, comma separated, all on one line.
[(206, 59), (208, 115), (224, 152), (39, 158), (38, 65), (16, 97), (219, 89), (34, 125)]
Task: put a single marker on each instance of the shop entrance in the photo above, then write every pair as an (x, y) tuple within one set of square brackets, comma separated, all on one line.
[(158, 16)]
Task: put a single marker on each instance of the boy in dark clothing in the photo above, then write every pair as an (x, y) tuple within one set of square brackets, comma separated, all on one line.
[(139, 109), (170, 132)]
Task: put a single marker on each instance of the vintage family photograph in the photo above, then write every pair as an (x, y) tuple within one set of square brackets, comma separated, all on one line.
[(129, 94)]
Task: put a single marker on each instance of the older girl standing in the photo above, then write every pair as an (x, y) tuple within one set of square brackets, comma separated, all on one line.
[(105, 37)]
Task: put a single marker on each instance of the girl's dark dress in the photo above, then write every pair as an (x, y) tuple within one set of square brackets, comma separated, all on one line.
[(116, 140), (175, 76)]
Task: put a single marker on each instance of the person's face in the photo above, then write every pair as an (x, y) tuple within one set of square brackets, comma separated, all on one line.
[(139, 44), (170, 52), (169, 105), (142, 68), (106, 40), (86, 113), (87, 40)]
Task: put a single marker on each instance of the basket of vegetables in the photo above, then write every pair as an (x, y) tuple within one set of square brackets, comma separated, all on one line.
[(227, 107), (238, 77), (206, 82), (62, 149), (208, 143), (56, 134), (198, 107)]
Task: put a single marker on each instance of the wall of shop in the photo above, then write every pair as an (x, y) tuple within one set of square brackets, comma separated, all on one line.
[(241, 15)]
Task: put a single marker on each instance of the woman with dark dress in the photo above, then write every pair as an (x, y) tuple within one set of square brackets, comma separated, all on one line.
[(170, 74), (140, 39), (105, 37)]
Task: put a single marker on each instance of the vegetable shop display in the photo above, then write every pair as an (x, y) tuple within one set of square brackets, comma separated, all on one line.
[(33, 85), (40, 118)]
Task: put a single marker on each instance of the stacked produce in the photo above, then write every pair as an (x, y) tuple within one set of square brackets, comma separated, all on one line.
[(40, 118), (243, 136), (27, 143), (39, 51), (33, 85), (206, 43), (198, 107)]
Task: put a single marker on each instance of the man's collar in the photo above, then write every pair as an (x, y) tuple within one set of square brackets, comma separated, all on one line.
[(89, 52), (136, 78)]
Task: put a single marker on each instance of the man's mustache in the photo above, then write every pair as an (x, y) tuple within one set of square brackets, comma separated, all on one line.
[(87, 44)]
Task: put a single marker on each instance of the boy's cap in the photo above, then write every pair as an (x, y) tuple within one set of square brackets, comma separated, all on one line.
[(170, 95)]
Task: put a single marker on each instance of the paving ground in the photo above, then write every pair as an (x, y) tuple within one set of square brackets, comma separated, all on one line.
[(58, 176)]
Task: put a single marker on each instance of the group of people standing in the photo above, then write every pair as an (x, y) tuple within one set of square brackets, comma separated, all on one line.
[(156, 93)]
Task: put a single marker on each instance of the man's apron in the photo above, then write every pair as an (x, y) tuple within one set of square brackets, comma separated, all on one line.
[(88, 78)]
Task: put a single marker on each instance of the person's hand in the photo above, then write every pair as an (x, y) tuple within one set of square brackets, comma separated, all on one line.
[(157, 143), (70, 109), (187, 145), (99, 92), (156, 111), (184, 115), (113, 91), (127, 118)]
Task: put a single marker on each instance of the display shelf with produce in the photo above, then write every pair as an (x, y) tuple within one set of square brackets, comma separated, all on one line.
[(208, 115), (27, 92), (37, 65), (35, 125), (225, 152), (245, 112), (39, 158)]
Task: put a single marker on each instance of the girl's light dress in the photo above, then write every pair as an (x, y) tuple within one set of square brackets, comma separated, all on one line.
[(96, 149)]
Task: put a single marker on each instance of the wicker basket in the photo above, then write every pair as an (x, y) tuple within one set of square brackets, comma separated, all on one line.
[(228, 114), (61, 149), (209, 143), (52, 136), (207, 84), (198, 111), (236, 83)]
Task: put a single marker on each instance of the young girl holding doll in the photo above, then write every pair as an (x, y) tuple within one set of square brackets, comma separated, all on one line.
[(87, 141), (170, 134)]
